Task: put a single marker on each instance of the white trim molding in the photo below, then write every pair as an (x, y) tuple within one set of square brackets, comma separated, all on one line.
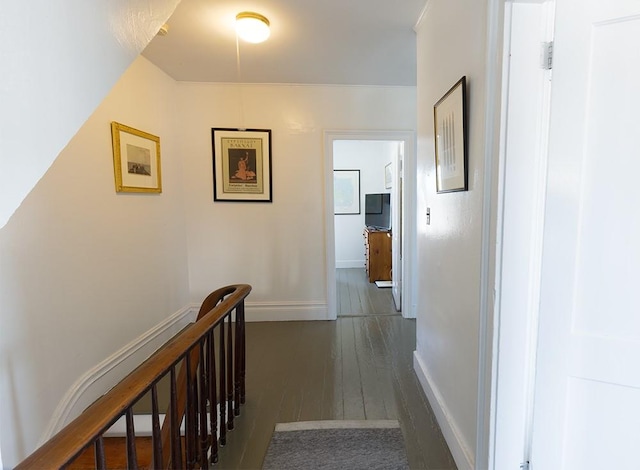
[(143, 424), (285, 311), (492, 134), (460, 450), (98, 380)]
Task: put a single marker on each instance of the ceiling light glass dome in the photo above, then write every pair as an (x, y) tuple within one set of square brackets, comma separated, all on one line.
[(252, 27)]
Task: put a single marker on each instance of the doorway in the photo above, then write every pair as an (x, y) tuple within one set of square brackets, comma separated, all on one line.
[(382, 174)]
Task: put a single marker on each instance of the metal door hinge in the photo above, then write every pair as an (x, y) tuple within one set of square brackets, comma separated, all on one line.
[(525, 465), (547, 55)]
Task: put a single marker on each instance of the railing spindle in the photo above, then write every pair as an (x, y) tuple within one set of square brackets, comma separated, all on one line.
[(223, 386), (132, 459), (195, 440), (243, 352), (202, 407), (101, 461), (213, 398), (188, 431), (237, 366), (176, 448), (156, 439), (230, 362)]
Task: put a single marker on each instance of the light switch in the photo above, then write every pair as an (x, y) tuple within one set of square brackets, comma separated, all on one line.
[(428, 216)]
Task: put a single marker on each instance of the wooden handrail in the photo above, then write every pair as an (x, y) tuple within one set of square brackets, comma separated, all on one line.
[(87, 428), (208, 304)]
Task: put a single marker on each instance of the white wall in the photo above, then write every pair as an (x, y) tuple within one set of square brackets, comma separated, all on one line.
[(84, 270), (59, 60), (451, 43), (278, 248), (370, 157)]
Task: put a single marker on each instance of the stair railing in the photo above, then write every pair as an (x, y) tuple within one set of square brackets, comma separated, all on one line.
[(206, 366)]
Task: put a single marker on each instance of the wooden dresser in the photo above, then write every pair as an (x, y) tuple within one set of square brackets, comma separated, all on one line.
[(377, 261)]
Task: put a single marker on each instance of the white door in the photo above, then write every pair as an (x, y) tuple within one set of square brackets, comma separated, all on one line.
[(587, 404), (396, 226)]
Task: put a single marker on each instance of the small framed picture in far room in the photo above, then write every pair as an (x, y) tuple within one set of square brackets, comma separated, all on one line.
[(346, 191), (388, 176)]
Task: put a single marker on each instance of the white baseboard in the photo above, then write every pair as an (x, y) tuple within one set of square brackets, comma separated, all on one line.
[(95, 382), (352, 263), (460, 451), (285, 311), (143, 424), (282, 311)]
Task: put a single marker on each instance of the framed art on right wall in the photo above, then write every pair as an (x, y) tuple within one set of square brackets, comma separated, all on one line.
[(450, 131)]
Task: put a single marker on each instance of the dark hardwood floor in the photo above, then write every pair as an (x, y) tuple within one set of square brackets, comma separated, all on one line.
[(358, 367), (356, 296), (353, 368)]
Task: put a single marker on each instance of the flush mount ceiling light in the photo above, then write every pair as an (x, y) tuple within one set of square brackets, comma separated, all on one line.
[(252, 27)]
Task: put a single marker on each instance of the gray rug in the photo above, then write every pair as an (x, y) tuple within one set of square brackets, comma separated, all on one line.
[(370, 445)]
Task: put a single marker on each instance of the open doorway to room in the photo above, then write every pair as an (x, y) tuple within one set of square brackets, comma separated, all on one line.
[(364, 201), (369, 228)]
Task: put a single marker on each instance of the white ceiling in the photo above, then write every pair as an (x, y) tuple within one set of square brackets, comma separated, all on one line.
[(346, 42)]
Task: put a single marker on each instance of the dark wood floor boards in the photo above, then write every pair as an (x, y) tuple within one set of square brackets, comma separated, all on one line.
[(272, 378), (420, 428), (411, 411), (356, 296), (358, 367), (365, 292), (255, 424), (353, 368), (380, 357), (342, 289), (311, 393), (333, 383), (352, 396), (371, 372)]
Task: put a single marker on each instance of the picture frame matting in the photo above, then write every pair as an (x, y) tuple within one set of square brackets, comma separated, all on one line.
[(241, 165), (450, 135), (136, 160)]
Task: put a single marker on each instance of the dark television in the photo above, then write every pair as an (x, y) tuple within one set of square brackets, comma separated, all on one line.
[(377, 211)]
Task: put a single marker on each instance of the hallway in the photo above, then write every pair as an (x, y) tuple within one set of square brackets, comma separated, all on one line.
[(353, 368), (357, 296)]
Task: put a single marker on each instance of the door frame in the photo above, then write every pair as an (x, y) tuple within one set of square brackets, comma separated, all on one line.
[(505, 410), (397, 182), (408, 217)]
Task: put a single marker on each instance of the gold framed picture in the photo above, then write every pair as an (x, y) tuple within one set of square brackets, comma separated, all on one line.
[(241, 165), (136, 160)]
